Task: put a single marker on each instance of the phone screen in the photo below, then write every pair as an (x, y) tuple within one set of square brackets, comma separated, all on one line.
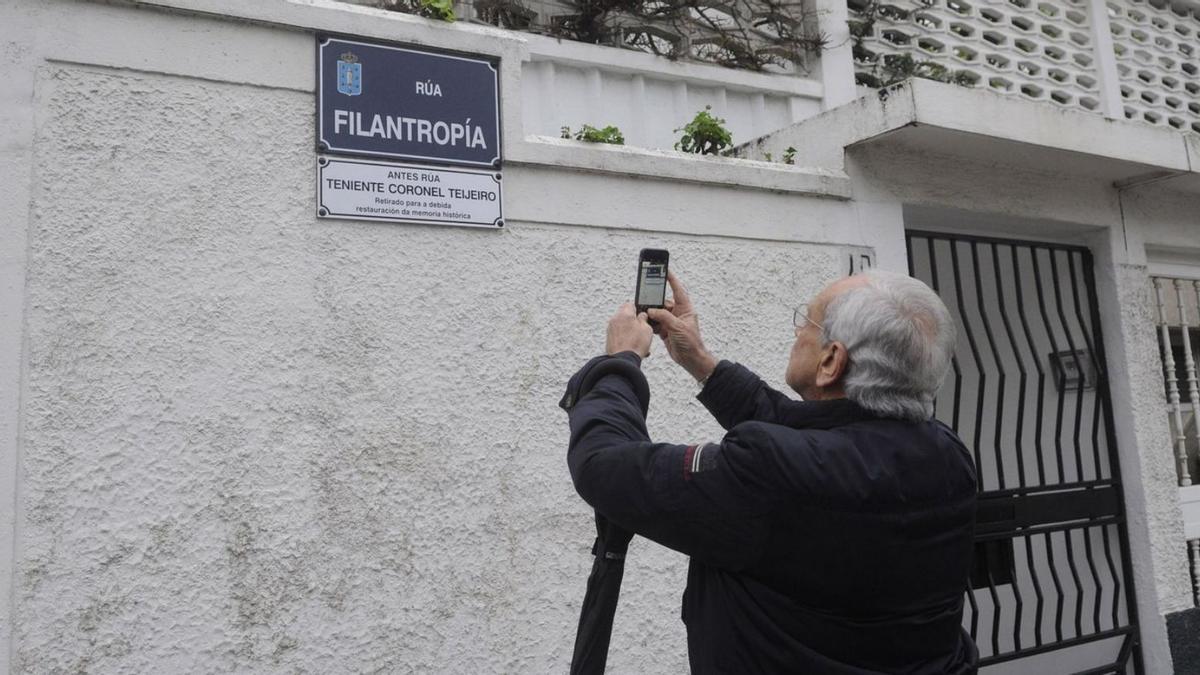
[(652, 284)]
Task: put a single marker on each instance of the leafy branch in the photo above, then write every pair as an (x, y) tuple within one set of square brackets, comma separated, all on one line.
[(748, 34), (590, 134), (442, 10), (873, 70)]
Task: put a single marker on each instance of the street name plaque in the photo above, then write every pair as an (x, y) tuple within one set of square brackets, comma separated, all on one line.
[(395, 102), (363, 189)]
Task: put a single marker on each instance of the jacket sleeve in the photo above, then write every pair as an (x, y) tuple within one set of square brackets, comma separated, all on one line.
[(733, 394), (709, 501)]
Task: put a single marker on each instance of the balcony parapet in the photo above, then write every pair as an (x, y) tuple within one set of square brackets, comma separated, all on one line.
[(986, 126), (1137, 59)]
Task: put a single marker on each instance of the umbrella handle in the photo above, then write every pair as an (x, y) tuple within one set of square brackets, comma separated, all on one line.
[(599, 601)]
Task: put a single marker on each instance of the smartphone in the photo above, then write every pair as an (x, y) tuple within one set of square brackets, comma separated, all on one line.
[(651, 288)]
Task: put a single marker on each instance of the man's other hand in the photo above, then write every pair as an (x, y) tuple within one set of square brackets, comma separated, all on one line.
[(629, 332), (679, 328)]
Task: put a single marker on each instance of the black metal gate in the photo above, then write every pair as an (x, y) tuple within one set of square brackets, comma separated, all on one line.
[(1028, 393)]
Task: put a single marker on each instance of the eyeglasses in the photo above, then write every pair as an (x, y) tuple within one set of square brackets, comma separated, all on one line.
[(800, 316)]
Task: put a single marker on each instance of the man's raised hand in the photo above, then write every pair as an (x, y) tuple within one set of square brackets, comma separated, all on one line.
[(629, 332), (679, 328)]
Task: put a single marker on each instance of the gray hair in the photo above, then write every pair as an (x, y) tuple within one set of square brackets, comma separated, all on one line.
[(900, 338)]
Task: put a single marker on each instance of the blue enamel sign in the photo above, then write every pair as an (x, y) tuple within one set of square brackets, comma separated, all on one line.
[(386, 101)]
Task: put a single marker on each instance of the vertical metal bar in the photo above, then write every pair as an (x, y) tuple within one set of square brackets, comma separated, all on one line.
[(1091, 562), (1180, 440), (1016, 588), (1060, 377), (1101, 400), (1017, 446), (1194, 551), (974, 615), (1058, 303), (953, 360), (1114, 461), (1078, 585), (1058, 602), (1189, 366), (908, 252), (1000, 373), (995, 600), (1099, 367), (1096, 437), (1066, 328), (1123, 655), (1019, 449), (1037, 363), (1195, 398), (912, 272), (935, 285), (1091, 347), (1041, 298), (1037, 591), (980, 388), (1112, 570)]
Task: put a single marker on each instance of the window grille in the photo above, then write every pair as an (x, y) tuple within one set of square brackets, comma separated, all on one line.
[(1178, 305), (1178, 319)]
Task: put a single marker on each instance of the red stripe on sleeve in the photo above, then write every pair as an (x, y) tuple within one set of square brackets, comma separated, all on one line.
[(687, 461)]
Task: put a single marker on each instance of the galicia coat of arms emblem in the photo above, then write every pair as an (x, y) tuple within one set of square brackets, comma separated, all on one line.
[(349, 75)]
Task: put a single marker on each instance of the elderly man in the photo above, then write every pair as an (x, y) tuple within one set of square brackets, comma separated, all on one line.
[(828, 536)]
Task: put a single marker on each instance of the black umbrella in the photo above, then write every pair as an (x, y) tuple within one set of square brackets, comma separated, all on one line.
[(600, 601), (608, 565)]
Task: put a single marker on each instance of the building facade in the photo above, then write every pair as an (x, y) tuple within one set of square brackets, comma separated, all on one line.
[(236, 436)]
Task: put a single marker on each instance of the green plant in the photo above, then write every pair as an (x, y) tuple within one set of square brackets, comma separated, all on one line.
[(590, 134), (789, 155), (704, 135), (443, 10), (438, 9)]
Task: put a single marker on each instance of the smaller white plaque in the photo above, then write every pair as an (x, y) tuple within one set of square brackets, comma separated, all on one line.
[(366, 189)]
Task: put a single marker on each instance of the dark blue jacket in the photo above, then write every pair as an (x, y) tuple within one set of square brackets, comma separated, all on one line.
[(823, 538)]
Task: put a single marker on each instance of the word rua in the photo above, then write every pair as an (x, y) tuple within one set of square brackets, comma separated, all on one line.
[(429, 88)]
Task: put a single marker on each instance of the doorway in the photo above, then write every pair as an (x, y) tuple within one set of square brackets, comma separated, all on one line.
[(1051, 587)]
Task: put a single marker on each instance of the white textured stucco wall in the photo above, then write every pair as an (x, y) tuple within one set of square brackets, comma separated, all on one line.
[(1140, 397), (257, 442), (1165, 222), (1152, 510)]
